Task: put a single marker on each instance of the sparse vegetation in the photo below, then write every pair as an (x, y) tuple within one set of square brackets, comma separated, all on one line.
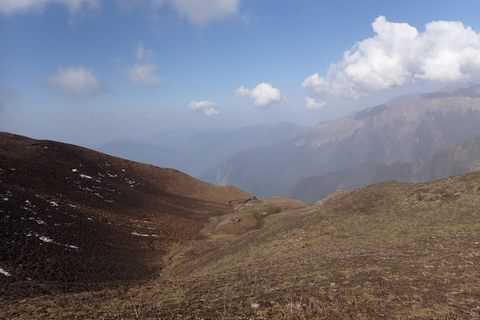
[(388, 251)]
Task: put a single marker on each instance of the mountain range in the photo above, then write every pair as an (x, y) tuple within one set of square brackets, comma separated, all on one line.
[(194, 152), (408, 129)]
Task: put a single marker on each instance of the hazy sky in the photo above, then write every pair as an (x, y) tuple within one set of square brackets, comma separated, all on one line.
[(90, 71)]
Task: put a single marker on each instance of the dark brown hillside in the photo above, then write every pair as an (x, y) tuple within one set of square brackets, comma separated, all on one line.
[(75, 219)]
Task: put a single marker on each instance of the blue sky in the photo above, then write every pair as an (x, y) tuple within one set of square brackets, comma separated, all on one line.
[(90, 71)]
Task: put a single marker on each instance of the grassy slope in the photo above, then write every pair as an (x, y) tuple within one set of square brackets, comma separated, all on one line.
[(387, 251)]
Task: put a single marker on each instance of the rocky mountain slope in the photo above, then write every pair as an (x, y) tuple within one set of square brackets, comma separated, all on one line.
[(460, 157), (73, 219), (406, 129)]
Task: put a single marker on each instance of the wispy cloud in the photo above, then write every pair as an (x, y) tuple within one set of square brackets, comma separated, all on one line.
[(145, 71), (313, 104), (201, 12), (77, 81), (206, 107), (399, 55), (262, 95), (74, 6), (7, 97)]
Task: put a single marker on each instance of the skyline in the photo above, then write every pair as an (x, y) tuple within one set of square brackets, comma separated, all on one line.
[(92, 71)]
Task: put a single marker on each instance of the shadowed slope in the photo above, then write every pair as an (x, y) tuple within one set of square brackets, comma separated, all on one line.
[(71, 217)]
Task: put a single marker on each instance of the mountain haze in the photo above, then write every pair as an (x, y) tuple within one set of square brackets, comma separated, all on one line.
[(460, 157), (195, 152), (407, 129)]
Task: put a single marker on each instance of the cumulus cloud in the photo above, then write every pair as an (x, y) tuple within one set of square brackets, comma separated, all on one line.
[(206, 107), (262, 95), (74, 6), (201, 12), (397, 55), (313, 104), (145, 72), (77, 81)]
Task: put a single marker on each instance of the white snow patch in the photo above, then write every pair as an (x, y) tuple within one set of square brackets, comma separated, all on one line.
[(112, 175), (40, 221), (144, 234), (45, 239), (85, 176), (5, 199), (72, 205), (5, 272), (74, 170), (48, 240), (53, 204)]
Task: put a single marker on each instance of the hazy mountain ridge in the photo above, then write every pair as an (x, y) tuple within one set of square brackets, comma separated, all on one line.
[(406, 129), (460, 157), (195, 152)]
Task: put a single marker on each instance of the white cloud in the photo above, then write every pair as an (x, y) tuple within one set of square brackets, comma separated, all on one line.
[(74, 6), (201, 12), (399, 55), (262, 95), (313, 104), (77, 81), (145, 72), (208, 108)]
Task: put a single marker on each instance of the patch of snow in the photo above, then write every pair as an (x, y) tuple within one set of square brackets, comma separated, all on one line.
[(5, 272), (144, 234), (123, 170), (5, 199), (85, 176), (40, 221), (112, 175), (74, 170), (48, 240), (53, 204), (45, 239), (72, 205), (99, 195)]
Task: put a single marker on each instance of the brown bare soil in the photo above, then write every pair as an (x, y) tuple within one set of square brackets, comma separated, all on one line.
[(73, 219)]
